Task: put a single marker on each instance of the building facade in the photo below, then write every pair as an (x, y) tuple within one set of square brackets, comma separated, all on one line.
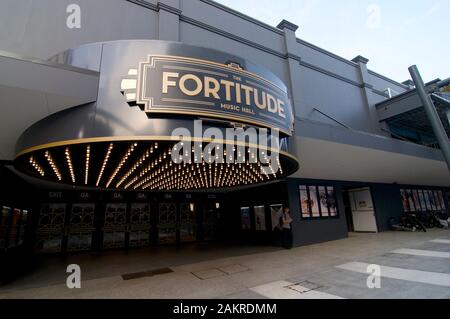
[(70, 94)]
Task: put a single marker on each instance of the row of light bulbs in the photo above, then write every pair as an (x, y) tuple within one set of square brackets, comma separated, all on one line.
[(36, 166), (121, 163), (69, 164), (137, 164), (52, 164), (86, 167), (162, 174), (105, 161)]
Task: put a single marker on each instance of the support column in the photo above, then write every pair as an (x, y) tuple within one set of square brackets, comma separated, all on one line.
[(366, 85), (432, 114), (169, 20), (290, 40)]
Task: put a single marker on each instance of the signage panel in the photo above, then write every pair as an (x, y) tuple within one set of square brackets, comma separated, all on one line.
[(177, 85)]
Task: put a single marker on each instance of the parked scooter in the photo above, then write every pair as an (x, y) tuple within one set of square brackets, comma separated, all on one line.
[(407, 222)]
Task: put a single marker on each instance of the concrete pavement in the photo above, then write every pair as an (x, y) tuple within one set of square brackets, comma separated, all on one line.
[(328, 270)]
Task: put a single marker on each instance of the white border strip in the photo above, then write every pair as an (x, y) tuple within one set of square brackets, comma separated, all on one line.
[(426, 277)]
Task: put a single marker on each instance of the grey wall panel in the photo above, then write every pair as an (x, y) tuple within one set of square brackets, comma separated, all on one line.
[(194, 35), (309, 55), (307, 232), (336, 98), (382, 84), (38, 27), (231, 23)]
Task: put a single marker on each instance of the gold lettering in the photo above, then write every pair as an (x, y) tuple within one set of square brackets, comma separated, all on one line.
[(167, 82), (228, 85), (247, 90), (281, 108), (212, 91), (272, 105), (238, 93), (197, 81), (260, 105)]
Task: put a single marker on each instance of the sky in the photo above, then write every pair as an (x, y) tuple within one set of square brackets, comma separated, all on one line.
[(392, 34)]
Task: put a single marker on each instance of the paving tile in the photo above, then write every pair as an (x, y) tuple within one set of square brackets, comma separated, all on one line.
[(208, 273), (233, 269)]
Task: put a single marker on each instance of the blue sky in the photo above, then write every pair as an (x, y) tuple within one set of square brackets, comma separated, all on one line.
[(393, 34)]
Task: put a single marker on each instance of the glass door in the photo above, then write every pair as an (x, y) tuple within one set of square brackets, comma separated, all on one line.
[(188, 222), (51, 227), (167, 227), (139, 225), (210, 220), (81, 227), (115, 225)]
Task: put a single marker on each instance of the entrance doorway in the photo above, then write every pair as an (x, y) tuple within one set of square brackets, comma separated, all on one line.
[(360, 210)]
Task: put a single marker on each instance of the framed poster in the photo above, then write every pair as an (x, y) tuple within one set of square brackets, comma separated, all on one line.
[(304, 202), (276, 211), (332, 206), (4, 218), (422, 200), (323, 200), (260, 218), (405, 201), (432, 201), (416, 199), (313, 201), (436, 200), (427, 199), (245, 218), (409, 196), (15, 227), (441, 199)]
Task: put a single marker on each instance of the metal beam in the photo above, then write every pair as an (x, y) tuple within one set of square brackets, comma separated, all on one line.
[(432, 114)]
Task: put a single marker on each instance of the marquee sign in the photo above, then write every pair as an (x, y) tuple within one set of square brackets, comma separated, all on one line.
[(178, 85)]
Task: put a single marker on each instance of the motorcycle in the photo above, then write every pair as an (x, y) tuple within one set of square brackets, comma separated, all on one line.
[(407, 222)]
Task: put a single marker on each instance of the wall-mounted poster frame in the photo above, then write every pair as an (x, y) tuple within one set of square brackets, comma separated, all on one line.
[(420, 200), (260, 218), (318, 202), (276, 211), (245, 219), (4, 222)]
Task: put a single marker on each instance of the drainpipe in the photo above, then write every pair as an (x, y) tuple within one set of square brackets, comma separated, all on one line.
[(432, 114)]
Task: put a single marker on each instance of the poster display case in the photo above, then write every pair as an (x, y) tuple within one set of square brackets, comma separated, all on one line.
[(4, 222), (420, 200), (260, 218), (13, 238), (317, 202), (276, 211), (245, 219)]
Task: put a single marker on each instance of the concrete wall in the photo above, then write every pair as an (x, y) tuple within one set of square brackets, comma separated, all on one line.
[(318, 78)]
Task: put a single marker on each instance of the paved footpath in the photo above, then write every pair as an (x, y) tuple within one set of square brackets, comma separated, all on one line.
[(410, 265)]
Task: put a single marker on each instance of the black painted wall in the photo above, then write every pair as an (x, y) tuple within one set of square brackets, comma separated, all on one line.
[(307, 232)]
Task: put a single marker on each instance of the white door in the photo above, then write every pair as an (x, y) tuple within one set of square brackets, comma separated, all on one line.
[(363, 211)]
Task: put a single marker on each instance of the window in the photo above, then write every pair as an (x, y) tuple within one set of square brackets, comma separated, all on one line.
[(317, 202), (420, 200)]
